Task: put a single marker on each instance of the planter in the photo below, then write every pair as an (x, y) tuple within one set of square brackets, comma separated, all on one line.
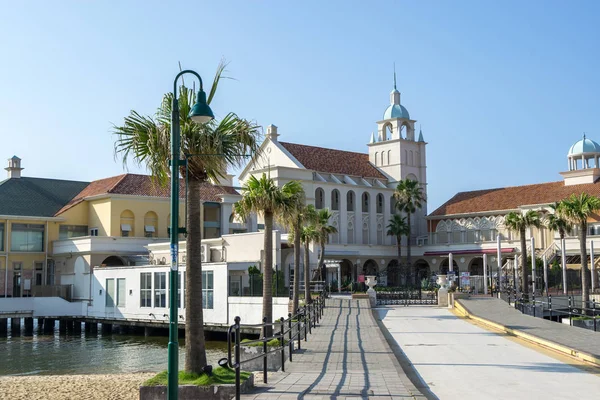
[(360, 296), (193, 392), (273, 359)]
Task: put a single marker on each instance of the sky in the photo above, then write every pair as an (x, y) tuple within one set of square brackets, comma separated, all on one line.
[(501, 89)]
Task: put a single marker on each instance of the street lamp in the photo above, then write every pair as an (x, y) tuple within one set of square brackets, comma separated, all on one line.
[(200, 113)]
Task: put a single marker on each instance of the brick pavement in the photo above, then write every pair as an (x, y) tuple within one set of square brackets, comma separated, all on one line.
[(500, 312), (346, 357)]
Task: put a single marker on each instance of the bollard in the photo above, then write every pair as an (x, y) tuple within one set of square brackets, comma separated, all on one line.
[(282, 345), (314, 316), (290, 335), (309, 319), (533, 299), (305, 323), (264, 350), (550, 305)]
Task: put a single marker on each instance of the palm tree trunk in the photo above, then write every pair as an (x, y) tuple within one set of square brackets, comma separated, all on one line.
[(195, 347), (322, 261), (399, 248), (408, 257), (307, 298), (585, 292), (295, 297), (268, 274), (524, 285)]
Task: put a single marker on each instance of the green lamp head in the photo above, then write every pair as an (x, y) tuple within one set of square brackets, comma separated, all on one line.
[(201, 112)]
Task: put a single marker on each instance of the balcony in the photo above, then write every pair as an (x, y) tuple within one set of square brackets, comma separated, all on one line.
[(104, 244)]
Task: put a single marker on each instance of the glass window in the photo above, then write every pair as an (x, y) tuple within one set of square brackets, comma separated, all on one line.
[(1, 237), (27, 237), (121, 292), (110, 293), (94, 232), (72, 231), (160, 289), (456, 237), (146, 289), (207, 289)]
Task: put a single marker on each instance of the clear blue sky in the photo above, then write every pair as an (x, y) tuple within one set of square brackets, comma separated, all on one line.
[(502, 89)]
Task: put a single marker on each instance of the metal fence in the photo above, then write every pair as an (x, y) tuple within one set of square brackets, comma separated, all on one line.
[(287, 330), (407, 297)]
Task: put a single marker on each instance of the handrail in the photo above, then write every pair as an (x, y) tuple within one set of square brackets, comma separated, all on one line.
[(310, 314)]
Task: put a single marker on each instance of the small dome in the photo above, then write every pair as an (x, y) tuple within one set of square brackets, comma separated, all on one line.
[(396, 111), (584, 146)]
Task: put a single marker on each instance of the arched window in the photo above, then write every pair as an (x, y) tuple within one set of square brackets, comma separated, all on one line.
[(379, 203), (389, 157), (350, 201), (393, 205), (376, 158), (335, 200), (382, 158), (319, 198), (365, 202), (127, 223), (411, 159), (405, 160), (151, 224)]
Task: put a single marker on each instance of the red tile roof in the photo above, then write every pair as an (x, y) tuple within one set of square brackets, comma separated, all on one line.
[(510, 198), (143, 185), (333, 161)]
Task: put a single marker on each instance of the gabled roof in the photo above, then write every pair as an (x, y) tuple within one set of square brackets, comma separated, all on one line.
[(36, 197), (143, 185), (333, 161), (511, 198)]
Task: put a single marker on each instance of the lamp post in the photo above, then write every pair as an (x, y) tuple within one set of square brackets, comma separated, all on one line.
[(200, 113)]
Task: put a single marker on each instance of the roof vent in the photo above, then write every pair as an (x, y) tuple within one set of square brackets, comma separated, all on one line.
[(14, 167)]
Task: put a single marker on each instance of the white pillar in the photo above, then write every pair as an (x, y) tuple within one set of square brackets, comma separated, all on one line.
[(545, 275), (450, 262), (485, 274), (499, 256), (564, 264), (593, 267), (532, 263), (339, 273)]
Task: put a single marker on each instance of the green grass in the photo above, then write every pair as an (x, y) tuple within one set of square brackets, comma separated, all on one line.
[(270, 343), (220, 376), (582, 318)]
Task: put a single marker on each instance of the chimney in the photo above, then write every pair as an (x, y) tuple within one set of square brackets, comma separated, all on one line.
[(14, 167), (272, 133)]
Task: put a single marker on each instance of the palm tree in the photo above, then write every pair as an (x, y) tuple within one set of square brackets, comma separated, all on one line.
[(324, 229), (263, 197), (518, 222), (398, 228), (146, 141), (577, 210), (409, 198), (557, 223), (292, 218), (309, 235)]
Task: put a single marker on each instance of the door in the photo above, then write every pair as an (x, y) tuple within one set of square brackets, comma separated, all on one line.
[(17, 284)]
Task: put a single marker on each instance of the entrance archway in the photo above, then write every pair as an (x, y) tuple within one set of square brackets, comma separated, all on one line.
[(113, 261), (422, 270), (347, 271), (393, 274), (444, 266), (476, 266), (370, 267)]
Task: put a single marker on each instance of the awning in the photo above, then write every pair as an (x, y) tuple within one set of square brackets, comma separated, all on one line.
[(126, 227), (506, 250), (149, 228)]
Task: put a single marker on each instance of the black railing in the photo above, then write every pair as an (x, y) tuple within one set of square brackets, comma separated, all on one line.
[(288, 329), (407, 297), (558, 307)]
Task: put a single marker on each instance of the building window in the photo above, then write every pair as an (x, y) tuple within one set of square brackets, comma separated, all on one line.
[(160, 289), (27, 237), (39, 272), (319, 198), (146, 289), (350, 201), (127, 223), (365, 202), (94, 232), (1, 237), (207, 289), (379, 203), (150, 224), (335, 200), (72, 231), (110, 293), (212, 220), (121, 292)]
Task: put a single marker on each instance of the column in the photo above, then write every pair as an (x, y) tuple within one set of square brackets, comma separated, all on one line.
[(593, 267), (226, 209), (343, 218), (485, 274), (373, 218)]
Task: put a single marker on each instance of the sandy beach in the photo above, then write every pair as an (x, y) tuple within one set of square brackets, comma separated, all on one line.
[(72, 387)]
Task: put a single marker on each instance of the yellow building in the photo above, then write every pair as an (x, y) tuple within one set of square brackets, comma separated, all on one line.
[(53, 232)]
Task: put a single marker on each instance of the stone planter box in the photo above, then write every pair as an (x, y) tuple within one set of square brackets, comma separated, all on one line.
[(193, 392), (360, 296)]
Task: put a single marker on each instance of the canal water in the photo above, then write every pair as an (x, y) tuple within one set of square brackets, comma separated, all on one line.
[(58, 354)]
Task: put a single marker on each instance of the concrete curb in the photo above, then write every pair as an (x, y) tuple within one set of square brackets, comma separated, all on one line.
[(589, 358), (406, 372)]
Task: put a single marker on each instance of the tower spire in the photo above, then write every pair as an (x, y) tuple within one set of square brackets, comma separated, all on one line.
[(395, 76)]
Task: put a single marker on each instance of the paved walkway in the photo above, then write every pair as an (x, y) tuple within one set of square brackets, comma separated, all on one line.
[(500, 312), (346, 357), (459, 360)]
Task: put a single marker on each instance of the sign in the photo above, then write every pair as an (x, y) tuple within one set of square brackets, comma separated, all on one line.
[(174, 263), (465, 279), (361, 279)]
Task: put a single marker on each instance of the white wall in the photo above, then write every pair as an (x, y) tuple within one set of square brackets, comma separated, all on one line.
[(44, 306), (249, 309)]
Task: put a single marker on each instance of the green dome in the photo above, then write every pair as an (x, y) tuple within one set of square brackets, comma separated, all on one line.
[(584, 146), (396, 111)]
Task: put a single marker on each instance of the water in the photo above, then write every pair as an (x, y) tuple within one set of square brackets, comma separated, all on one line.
[(60, 354)]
